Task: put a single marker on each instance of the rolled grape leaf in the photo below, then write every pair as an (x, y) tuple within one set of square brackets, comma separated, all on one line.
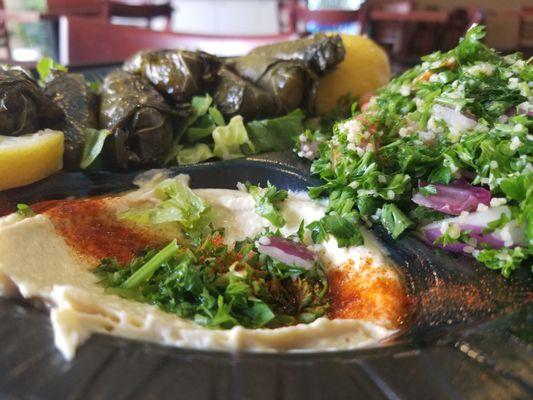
[(238, 96), (290, 83), (320, 52), (25, 108), (177, 74), (80, 105), (139, 119)]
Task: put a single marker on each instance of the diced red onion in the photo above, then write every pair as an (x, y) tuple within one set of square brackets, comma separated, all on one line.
[(511, 235), (454, 198), (286, 251), (524, 108)]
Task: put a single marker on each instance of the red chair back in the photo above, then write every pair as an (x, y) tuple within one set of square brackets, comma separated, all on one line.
[(141, 10), (75, 7), (393, 35), (93, 41), (525, 31), (146, 11)]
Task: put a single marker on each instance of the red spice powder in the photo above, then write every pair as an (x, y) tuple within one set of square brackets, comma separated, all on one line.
[(93, 230), (367, 293)]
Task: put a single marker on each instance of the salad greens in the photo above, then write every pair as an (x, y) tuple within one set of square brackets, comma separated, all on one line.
[(205, 134), (177, 204), (45, 67), (231, 140), (275, 134), (460, 116), (94, 143), (221, 287)]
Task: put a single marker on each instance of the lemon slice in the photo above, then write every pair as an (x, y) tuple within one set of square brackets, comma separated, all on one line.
[(28, 158), (364, 69)]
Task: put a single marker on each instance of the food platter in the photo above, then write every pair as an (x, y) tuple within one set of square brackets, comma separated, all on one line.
[(419, 183), (444, 351)]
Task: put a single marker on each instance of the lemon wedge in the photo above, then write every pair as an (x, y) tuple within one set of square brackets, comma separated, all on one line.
[(364, 69), (28, 158)]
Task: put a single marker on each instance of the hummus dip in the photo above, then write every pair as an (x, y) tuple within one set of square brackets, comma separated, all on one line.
[(50, 257)]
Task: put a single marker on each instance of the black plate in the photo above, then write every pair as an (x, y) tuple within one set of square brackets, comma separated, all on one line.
[(469, 333)]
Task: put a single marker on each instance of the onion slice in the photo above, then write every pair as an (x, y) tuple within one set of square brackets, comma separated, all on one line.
[(286, 251), (510, 235), (525, 108), (454, 198)]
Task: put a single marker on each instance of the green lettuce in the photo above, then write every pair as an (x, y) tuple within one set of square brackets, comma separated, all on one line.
[(94, 143), (276, 134), (45, 66), (232, 141), (179, 204), (194, 154)]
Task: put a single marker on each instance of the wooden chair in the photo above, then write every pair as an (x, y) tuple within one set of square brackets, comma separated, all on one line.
[(87, 8), (458, 23), (140, 10), (393, 34), (93, 41), (525, 33)]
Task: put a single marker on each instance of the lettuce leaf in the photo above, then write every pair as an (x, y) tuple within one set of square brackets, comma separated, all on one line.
[(178, 203), (206, 118), (194, 154), (277, 133), (232, 141), (45, 66), (94, 143)]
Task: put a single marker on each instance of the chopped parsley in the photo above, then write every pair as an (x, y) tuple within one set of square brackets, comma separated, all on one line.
[(267, 202), (505, 260), (25, 210), (345, 231), (394, 220), (428, 190), (220, 287)]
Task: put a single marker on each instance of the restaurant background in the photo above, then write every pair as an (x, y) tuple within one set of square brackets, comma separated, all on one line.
[(30, 29)]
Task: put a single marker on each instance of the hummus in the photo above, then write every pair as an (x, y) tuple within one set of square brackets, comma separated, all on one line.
[(50, 256)]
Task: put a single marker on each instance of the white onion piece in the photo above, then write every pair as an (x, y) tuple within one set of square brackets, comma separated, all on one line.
[(456, 121)]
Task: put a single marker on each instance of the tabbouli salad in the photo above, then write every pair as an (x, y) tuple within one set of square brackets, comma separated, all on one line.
[(444, 149)]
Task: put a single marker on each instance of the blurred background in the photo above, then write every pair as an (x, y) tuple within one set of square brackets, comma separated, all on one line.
[(77, 32)]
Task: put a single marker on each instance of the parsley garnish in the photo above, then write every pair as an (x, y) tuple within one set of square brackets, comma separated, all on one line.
[(428, 190), (345, 231), (505, 260), (267, 202), (394, 220), (25, 210), (220, 287)]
